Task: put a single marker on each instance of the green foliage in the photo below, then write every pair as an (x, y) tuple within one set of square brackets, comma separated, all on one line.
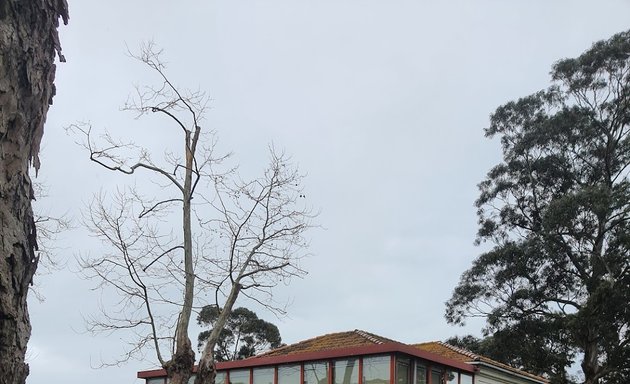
[(536, 347), (243, 336), (555, 286)]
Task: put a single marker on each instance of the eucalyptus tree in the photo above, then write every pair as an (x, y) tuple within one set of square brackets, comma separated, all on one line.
[(230, 238), (536, 355), (243, 336), (28, 45), (557, 212)]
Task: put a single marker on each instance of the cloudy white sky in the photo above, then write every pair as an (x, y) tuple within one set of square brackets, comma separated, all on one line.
[(381, 103)]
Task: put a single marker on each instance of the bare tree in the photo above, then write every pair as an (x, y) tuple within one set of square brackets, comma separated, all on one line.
[(235, 238), (49, 226), (264, 237), (28, 45)]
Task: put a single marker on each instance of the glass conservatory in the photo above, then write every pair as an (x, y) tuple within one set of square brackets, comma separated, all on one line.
[(359, 357), (392, 363)]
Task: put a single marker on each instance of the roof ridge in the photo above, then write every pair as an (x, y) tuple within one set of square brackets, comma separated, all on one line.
[(463, 351), (368, 336), (271, 350), (302, 342)]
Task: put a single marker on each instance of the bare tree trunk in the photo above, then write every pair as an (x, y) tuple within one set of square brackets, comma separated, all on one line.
[(28, 43), (180, 368), (206, 370)]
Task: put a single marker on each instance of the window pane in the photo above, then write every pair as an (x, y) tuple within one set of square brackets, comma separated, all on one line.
[(436, 377), (239, 376), (220, 378), (315, 373), (346, 371), (263, 376), (289, 374), (403, 371), (421, 374), (156, 380), (376, 370), (451, 377), (465, 378)]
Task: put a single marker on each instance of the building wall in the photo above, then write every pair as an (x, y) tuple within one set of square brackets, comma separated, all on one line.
[(488, 375)]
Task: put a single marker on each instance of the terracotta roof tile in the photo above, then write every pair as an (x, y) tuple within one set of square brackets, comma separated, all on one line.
[(356, 338), (352, 339), (440, 348)]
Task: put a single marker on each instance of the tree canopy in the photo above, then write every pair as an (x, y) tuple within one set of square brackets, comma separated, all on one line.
[(244, 334), (556, 211)]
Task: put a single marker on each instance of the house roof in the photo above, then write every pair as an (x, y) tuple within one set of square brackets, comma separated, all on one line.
[(357, 343), (340, 345), (331, 341), (331, 346), (466, 356)]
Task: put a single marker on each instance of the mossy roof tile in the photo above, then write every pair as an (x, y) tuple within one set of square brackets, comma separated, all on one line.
[(467, 356), (331, 341)]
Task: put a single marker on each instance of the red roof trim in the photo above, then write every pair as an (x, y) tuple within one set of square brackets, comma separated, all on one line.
[(152, 373), (330, 354)]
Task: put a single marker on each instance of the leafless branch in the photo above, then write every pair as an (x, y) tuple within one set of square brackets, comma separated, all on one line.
[(246, 237)]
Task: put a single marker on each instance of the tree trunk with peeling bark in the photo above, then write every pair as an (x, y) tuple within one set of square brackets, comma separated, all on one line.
[(206, 370), (180, 367), (28, 44)]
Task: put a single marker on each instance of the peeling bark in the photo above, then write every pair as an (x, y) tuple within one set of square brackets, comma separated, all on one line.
[(180, 367), (28, 44), (207, 369)]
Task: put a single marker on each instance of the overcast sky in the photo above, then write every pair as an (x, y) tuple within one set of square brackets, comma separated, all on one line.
[(381, 103)]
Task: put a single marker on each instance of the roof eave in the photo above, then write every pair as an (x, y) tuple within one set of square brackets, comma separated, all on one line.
[(345, 352), (331, 354)]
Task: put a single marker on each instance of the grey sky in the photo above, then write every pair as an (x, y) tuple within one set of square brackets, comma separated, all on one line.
[(382, 103)]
